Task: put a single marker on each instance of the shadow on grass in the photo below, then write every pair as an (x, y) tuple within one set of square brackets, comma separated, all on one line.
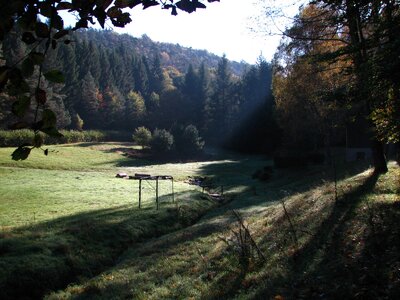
[(227, 282), (339, 261), (239, 173), (48, 256)]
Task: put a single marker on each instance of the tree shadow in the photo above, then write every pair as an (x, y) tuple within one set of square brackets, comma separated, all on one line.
[(228, 282), (324, 267)]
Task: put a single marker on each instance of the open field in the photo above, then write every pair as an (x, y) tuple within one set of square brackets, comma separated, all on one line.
[(70, 222)]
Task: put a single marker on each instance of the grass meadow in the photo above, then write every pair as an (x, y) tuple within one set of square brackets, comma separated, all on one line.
[(71, 230)]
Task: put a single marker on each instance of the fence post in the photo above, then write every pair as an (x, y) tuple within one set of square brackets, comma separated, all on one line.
[(173, 193), (157, 192), (140, 193)]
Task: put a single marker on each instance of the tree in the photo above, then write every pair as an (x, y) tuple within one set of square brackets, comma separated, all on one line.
[(192, 143), (219, 106), (76, 122), (13, 78), (363, 22), (366, 31), (112, 108), (135, 107), (142, 136), (90, 102), (162, 141), (308, 91)]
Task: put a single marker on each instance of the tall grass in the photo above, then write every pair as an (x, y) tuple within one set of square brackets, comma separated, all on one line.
[(14, 138)]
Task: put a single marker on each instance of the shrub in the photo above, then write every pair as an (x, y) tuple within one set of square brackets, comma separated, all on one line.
[(77, 122), (191, 142), (142, 136), (162, 141), (14, 138)]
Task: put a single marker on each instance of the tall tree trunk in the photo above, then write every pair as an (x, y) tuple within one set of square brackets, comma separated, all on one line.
[(360, 60), (378, 157)]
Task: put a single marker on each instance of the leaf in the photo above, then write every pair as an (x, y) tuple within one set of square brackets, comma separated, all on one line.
[(38, 140), (57, 22), (149, 3), (133, 3), (122, 3), (21, 106), (3, 76), (82, 23), (106, 3), (45, 9), (27, 67), (114, 12), (189, 5), (55, 76), (60, 34), (49, 118), (18, 125), (28, 38), (52, 131), (40, 95), (37, 57), (64, 6), (21, 153), (122, 20), (42, 30)]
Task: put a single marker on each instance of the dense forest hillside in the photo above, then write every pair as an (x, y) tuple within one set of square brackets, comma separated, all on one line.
[(180, 57), (172, 55), (118, 82)]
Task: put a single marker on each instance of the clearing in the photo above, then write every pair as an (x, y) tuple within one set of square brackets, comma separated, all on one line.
[(69, 229)]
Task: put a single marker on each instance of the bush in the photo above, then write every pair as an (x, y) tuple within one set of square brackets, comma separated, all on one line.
[(162, 141), (142, 136), (191, 142), (15, 138), (77, 122)]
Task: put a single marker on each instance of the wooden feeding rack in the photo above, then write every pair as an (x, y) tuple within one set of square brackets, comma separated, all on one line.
[(155, 178)]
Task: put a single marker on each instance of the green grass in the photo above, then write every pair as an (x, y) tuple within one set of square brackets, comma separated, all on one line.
[(81, 157), (345, 248), (66, 220), (66, 217)]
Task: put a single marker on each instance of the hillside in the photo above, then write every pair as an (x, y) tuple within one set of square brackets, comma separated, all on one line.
[(172, 55), (119, 82)]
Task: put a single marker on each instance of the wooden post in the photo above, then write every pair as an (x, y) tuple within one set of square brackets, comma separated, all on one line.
[(157, 192), (140, 193), (173, 194)]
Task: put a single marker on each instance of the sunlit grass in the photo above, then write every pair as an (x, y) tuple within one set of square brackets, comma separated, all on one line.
[(67, 157)]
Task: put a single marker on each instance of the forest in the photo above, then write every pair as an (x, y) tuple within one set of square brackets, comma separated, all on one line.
[(118, 82)]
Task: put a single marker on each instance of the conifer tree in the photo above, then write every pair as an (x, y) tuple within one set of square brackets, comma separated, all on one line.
[(90, 102)]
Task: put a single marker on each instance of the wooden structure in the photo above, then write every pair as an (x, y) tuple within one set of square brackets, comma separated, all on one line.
[(156, 178)]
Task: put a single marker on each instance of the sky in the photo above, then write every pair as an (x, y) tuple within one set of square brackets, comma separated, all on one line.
[(222, 28)]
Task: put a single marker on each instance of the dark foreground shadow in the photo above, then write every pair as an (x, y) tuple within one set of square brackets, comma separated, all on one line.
[(339, 261)]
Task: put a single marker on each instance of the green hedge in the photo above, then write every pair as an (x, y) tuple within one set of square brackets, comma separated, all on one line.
[(14, 138)]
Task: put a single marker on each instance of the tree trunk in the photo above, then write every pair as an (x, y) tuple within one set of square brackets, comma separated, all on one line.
[(360, 58), (378, 157)]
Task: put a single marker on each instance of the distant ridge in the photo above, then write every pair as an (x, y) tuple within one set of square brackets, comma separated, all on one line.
[(172, 55)]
